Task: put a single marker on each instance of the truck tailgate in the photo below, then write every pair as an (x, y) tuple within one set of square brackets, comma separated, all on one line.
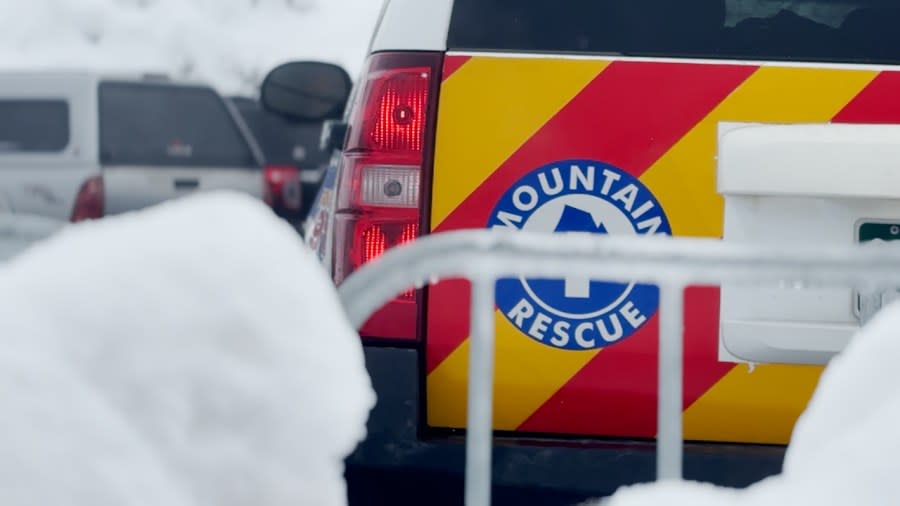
[(611, 145)]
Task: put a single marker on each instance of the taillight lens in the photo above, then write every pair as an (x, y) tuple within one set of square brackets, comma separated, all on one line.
[(381, 187), (89, 201), (282, 187), (394, 120)]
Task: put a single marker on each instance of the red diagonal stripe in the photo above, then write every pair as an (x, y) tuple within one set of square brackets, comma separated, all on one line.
[(879, 102), (629, 116), (452, 63), (615, 393), (448, 320), (624, 117)]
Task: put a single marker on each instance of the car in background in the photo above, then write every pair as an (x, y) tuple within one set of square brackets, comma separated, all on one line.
[(295, 162), (80, 145)]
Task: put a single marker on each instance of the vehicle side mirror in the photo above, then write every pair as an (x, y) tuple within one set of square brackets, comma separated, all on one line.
[(306, 90)]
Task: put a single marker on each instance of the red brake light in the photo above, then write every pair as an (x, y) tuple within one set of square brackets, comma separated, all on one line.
[(380, 190), (397, 120), (375, 238), (89, 201), (373, 243), (282, 187)]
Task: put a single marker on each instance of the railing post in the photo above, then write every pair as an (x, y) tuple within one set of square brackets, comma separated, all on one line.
[(479, 424), (669, 439)]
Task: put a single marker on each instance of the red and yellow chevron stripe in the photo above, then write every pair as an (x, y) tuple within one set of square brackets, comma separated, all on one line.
[(501, 117)]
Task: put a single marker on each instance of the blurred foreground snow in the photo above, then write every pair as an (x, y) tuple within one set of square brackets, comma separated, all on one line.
[(190, 354), (231, 43), (18, 231), (845, 447)]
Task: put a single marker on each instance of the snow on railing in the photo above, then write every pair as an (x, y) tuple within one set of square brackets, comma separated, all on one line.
[(483, 256)]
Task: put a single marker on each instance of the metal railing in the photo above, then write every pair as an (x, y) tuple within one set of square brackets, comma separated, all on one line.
[(483, 256)]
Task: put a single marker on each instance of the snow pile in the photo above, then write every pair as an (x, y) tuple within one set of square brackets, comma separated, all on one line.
[(844, 448), (18, 231), (231, 43), (848, 435), (190, 354)]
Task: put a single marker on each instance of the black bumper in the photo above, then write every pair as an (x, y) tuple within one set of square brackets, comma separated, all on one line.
[(398, 441)]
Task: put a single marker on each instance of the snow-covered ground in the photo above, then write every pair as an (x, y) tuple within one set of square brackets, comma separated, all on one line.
[(845, 447), (190, 354), (231, 43)]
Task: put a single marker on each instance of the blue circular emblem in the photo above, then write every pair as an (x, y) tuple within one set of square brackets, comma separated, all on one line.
[(586, 197)]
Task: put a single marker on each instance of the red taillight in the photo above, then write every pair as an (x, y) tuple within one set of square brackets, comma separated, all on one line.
[(374, 243), (396, 121), (380, 191), (282, 187), (89, 201), (375, 238)]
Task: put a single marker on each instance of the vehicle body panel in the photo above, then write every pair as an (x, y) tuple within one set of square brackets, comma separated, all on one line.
[(134, 187), (587, 467), (504, 117), (286, 142), (161, 141), (46, 183), (419, 25)]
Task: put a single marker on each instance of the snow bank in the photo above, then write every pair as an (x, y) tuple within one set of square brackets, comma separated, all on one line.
[(18, 231), (190, 354), (844, 448), (231, 43)]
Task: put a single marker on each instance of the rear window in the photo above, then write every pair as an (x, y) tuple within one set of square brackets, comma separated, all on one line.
[(33, 126), (283, 142), (151, 124), (853, 31)]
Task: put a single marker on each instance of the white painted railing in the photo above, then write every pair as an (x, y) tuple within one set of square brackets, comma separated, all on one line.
[(671, 263)]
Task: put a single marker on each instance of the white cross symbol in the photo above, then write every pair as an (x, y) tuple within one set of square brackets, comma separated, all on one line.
[(578, 287)]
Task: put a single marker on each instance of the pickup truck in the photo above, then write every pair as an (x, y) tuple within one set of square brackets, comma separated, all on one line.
[(576, 117)]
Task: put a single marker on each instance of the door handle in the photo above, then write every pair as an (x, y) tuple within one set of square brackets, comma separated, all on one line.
[(186, 184)]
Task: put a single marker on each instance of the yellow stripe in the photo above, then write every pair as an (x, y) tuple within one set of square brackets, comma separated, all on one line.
[(488, 109), (684, 179), (754, 407), (761, 406), (482, 111), (521, 385)]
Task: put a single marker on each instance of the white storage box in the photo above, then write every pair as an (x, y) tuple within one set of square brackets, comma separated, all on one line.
[(819, 184)]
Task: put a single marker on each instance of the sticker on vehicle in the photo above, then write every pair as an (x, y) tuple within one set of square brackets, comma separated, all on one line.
[(586, 197), (319, 217)]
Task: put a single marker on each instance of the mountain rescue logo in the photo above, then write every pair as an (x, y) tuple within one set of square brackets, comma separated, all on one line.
[(583, 197)]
